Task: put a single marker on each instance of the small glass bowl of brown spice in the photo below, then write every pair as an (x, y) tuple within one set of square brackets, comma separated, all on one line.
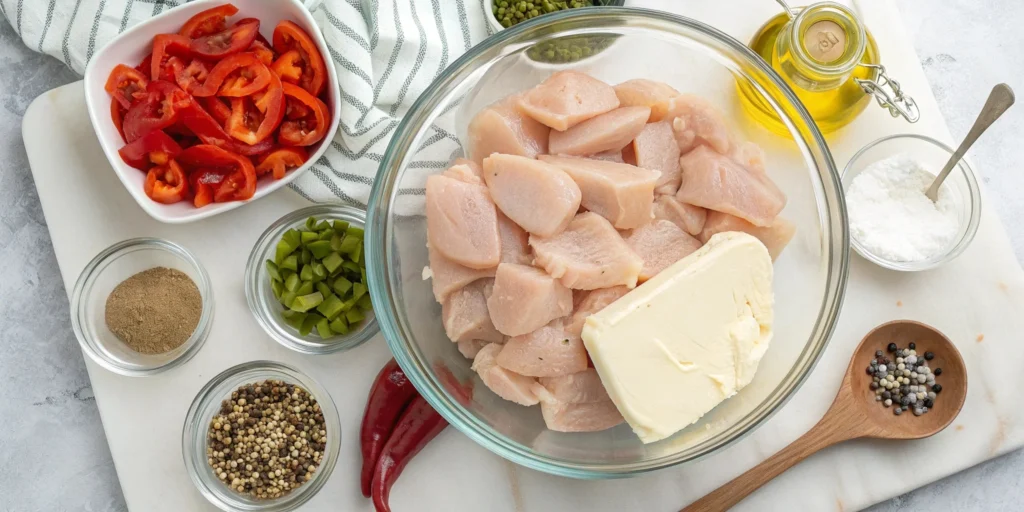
[(142, 306), (261, 436)]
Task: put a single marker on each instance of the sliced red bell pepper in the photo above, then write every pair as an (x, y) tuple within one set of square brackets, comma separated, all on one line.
[(160, 109), (390, 393), (239, 182), (146, 66), (192, 76), (210, 21), (419, 424), (231, 40), (217, 108), (203, 181), (307, 130), (241, 74), (117, 115), (279, 161), (166, 46), (153, 148), (210, 131), (289, 36), (254, 122), (166, 183), (127, 85), (262, 52), (288, 66)]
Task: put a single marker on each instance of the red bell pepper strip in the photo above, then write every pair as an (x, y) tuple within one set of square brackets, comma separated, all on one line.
[(241, 74), (161, 108), (117, 116), (289, 36), (210, 21), (419, 424), (166, 183), (280, 160), (239, 182), (390, 394), (166, 46), (234, 39), (307, 130), (211, 132), (192, 76), (251, 122), (127, 85), (153, 148)]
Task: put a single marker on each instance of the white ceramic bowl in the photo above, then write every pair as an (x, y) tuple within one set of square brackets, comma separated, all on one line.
[(134, 44)]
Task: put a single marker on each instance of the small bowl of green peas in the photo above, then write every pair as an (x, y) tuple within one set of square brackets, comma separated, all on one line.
[(305, 280), (506, 13)]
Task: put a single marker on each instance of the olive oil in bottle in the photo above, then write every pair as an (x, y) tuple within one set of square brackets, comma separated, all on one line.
[(829, 59)]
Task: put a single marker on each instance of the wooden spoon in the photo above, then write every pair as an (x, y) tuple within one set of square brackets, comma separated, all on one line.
[(855, 413)]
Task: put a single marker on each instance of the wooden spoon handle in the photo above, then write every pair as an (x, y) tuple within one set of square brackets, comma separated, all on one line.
[(826, 433)]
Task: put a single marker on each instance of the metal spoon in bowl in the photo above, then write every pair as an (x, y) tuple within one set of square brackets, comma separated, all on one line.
[(999, 100)]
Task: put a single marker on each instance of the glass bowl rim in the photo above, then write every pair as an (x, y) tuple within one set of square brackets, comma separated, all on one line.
[(193, 433), (273, 325), (835, 235), (974, 206), (100, 263)]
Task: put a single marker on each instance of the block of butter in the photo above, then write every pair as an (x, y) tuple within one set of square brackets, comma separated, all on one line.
[(675, 347)]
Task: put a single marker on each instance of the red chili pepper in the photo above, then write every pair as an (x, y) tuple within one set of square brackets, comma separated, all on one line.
[(419, 424), (390, 393)]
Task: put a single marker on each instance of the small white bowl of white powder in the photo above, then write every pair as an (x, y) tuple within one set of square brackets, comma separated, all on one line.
[(892, 222)]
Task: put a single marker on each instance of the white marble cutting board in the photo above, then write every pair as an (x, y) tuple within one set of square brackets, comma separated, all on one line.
[(976, 300)]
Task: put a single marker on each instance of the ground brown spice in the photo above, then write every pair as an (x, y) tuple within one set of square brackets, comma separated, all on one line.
[(154, 311)]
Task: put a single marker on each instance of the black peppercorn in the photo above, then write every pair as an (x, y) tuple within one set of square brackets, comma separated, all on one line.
[(878, 353), (929, 403), (891, 347), (929, 356), (912, 346), (937, 372), (937, 388)]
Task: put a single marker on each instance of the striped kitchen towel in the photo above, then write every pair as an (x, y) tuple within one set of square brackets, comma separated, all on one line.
[(386, 53)]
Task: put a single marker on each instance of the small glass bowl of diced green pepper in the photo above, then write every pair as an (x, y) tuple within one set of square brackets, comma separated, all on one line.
[(306, 280)]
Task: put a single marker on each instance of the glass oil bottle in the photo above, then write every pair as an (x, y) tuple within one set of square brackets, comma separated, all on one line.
[(830, 60)]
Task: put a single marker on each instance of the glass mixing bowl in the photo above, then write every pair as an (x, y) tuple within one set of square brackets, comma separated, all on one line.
[(693, 57)]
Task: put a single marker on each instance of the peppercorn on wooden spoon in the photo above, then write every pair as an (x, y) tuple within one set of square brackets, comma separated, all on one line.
[(855, 413)]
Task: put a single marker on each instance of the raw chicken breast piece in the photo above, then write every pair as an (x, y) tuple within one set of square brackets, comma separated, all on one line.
[(540, 197), (610, 156), (751, 156), (660, 244), (470, 348), (719, 183), (465, 315), (621, 193), (646, 93), (688, 217), (464, 173), (656, 149), (475, 167), (583, 387), (568, 98), (461, 222), (610, 131), (507, 384), (448, 276), (696, 121), (588, 255), (502, 128), (546, 352), (774, 237), (515, 243), (592, 302), (525, 299), (585, 417)]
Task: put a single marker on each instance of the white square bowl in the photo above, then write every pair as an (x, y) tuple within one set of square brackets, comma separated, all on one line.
[(134, 44)]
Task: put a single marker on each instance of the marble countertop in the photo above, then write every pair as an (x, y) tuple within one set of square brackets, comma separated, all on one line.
[(50, 429)]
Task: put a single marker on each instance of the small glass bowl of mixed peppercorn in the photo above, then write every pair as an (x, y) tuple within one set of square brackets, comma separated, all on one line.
[(261, 436), (305, 280)]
